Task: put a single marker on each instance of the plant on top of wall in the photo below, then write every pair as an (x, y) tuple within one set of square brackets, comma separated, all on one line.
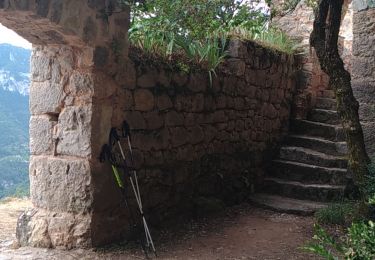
[(200, 29)]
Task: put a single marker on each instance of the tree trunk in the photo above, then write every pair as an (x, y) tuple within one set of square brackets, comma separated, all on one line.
[(324, 39)]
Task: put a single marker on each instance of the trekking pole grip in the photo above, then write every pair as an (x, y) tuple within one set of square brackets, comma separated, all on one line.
[(125, 129)]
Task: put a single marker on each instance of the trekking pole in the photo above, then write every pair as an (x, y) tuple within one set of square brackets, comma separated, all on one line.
[(106, 155), (114, 138)]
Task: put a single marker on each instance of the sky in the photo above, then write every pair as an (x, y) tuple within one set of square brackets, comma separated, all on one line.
[(9, 36)]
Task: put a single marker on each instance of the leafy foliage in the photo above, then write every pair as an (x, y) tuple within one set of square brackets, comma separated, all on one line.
[(199, 28), (359, 243)]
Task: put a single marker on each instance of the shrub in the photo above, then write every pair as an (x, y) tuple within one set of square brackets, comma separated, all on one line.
[(199, 29), (358, 244)]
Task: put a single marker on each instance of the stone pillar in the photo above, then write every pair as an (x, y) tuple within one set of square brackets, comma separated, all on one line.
[(363, 72), (78, 47), (60, 145)]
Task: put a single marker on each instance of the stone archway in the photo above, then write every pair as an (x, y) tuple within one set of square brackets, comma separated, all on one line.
[(73, 72)]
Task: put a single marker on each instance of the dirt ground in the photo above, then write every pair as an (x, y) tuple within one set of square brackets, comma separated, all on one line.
[(241, 232)]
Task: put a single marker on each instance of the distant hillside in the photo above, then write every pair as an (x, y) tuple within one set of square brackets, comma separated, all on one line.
[(14, 68), (14, 119)]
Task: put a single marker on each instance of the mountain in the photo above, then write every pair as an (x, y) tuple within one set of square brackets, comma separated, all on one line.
[(14, 68), (14, 119)]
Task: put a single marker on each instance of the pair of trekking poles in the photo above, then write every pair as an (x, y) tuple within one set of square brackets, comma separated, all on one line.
[(118, 163)]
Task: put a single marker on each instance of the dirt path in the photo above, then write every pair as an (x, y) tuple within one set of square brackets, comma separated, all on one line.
[(243, 232)]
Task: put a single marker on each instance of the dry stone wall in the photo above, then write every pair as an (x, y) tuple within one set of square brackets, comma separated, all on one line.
[(195, 141), (364, 67)]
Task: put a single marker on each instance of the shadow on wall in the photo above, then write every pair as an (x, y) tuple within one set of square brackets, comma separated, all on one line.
[(194, 140)]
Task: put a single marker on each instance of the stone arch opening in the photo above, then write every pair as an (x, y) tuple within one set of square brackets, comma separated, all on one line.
[(72, 82), (14, 106)]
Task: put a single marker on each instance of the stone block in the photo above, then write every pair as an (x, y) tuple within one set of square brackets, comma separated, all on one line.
[(135, 120), (126, 98), (41, 135), (197, 103), (196, 134), (81, 84), (65, 59), (144, 100), (60, 185), (46, 97), (236, 66), (126, 75), (148, 79), (40, 66), (173, 118), (180, 79), (40, 228), (179, 136), (154, 120), (237, 49), (163, 102), (74, 131), (197, 83)]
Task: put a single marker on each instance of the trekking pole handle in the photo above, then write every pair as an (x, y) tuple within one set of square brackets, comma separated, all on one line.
[(113, 137), (125, 129)]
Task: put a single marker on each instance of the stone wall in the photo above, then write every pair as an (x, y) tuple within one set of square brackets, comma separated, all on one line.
[(194, 141), (198, 142), (363, 76)]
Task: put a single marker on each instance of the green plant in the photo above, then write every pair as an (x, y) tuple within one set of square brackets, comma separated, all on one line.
[(199, 29), (358, 244), (338, 213)]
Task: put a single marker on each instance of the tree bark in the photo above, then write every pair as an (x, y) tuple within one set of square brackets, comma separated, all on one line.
[(324, 39)]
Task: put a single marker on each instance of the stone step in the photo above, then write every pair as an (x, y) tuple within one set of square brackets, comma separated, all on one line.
[(326, 103), (317, 144), (306, 173), (286, 205), (330, 132), (324, 116), (308, 156), (298, 190)]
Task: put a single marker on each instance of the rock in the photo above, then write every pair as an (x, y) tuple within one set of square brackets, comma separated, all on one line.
[(148, 79), (41, 130), (144, 100), (163, 102), (23, 230), (135, 120), (46, 97), (154, 120), (196, 135), (197, 83), (179, 136), (174, 119), (61, 185), (197, 103), (74, 131), (126, 75), (81, 84), (40, 68)]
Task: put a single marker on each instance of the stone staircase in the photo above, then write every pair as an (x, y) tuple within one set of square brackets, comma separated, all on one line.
[(310, 170)]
